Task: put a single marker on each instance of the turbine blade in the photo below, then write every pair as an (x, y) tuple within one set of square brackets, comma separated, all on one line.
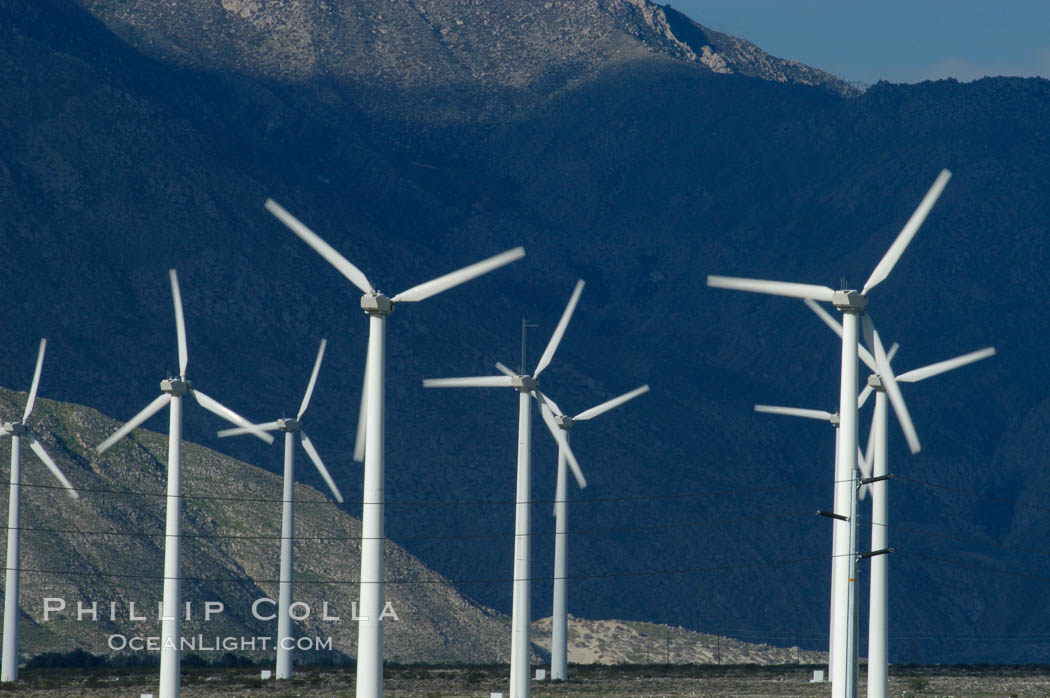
[(892, 352), (238, 431), (38, 449), (889, 384), (151, 409), (352, 273), (559, 331), (542, 397), (925, 372), (775, 288), (864, 395), (869, 459), (313, 380), (216, 407), (563, 443), (180, 323), (362, 420), (831, 322), (36, 380), (795, 412), (443, 283), (478, 382), (504, 370), (308, 446), (862, 464), (893, 254), (609, 404)]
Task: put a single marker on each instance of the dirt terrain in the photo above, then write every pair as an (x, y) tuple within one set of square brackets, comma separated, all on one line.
[(481, 681)]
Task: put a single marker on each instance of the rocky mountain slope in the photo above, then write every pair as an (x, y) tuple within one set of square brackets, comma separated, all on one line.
[(134, 138), (105, 551)]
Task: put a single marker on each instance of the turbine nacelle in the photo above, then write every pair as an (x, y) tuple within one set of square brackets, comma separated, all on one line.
[(15, 428), (564, 421), (175, 386), (376, 304), (524, 384), (875, 382), (289, 425), (849, 300)]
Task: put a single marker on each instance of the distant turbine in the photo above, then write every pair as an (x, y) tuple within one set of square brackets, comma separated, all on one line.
[(526, 386), (853, 306), (877, 454), (290, 427), (560, 616), (377, 306), (18, 431), (172, 392)]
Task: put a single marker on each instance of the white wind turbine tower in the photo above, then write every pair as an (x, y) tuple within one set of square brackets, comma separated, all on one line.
[(559, 617), (291, 427), (18, 431), (527, 386), (172, 392), (852, 305), (377, 306), (878, 461)]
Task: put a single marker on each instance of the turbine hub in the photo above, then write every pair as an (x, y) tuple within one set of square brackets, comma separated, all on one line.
[(16, 428), (524, 384), (849, 300), (175, 386), (564, 422), (875, 382), (289, 425), (376, 304), (834, 420)]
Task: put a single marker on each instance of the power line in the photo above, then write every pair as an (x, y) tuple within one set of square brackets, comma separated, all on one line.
[(639, 498), (471, 536), (446, 582)]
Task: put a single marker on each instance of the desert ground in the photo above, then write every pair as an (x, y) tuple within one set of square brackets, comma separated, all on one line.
[(481, 681)]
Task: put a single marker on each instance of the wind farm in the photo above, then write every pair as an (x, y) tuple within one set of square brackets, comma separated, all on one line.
[(413, 541)]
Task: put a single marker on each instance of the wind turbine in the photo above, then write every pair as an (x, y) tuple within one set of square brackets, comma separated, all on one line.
[(527, 386), (833, 420), (853, 307), (18, 431), (291, 427), (559, 617), (877, 458), (377, 306), (173, 390)]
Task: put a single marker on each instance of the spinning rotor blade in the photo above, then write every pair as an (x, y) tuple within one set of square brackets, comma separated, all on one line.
[(36, 380), (925, 372), (559, 331), (443, 283), (893, 254), (180, 323), (889, 384), (795, 412), (505, 371), (216, 407), (237, 431), (831, 322), (563, 443), (38, 449), (474, 382), (151, 409), (609, 404), (352, 273), (864, 395), (308, 446), (313, 380), (775, 288)]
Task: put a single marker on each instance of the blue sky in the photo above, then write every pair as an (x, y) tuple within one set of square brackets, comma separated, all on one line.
[(895, 40)]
